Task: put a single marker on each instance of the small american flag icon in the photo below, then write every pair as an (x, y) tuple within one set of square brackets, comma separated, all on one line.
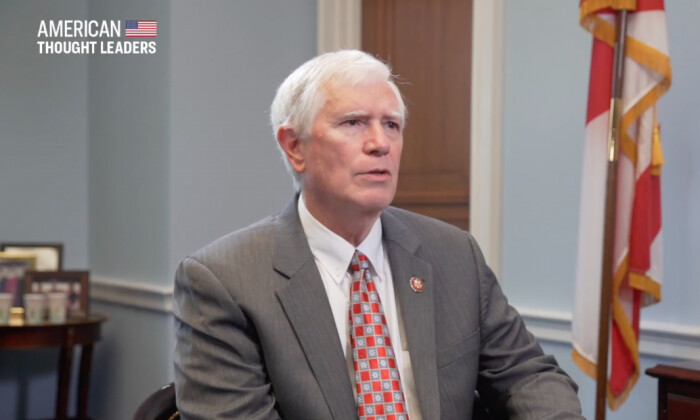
[(142, 28)]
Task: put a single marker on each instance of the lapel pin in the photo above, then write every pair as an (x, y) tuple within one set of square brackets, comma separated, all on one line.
[(417, 284)]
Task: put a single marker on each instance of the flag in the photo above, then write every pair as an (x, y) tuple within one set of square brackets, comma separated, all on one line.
[(142, 28), (637, 245)]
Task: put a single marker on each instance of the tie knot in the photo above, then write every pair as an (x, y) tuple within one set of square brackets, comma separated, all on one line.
[(359, 262)]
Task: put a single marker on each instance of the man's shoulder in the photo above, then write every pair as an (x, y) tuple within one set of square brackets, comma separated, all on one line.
[(421, 224), (434, 236), (255, 237)]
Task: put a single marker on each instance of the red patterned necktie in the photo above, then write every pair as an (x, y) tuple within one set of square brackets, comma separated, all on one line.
[(379, 393)]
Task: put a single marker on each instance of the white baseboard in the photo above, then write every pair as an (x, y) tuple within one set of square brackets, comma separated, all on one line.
[(657, 339), (132, 294)]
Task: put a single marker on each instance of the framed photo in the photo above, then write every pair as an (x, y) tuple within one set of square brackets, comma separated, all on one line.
[(49, 256), (72, 283), (13, 268)]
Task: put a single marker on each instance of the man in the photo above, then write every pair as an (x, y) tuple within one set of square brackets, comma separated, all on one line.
[(341, 306)]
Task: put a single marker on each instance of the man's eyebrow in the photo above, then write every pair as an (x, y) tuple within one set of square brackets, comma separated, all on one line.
[(354, 114), (395, 115)]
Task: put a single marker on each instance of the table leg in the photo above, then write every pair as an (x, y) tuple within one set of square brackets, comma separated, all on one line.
[(662, 405), (65, 360), (84, 380)]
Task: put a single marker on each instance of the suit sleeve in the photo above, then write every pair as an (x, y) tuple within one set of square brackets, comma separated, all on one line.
[(516, 379), (219, 368)]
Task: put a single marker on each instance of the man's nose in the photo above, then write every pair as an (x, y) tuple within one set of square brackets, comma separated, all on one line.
[(377, 142)]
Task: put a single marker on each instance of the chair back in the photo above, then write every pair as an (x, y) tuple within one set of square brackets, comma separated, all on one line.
[(159, 406), (479, 411)]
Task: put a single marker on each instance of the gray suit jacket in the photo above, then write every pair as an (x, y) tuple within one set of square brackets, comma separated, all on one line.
[(256, 337)]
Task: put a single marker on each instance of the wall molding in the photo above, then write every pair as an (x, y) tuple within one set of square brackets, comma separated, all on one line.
[(338, 25), (658, 339), (132, 294), (485, 187)]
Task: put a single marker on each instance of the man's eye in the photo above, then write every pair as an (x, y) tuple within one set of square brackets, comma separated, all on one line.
[(392, 125), (352, 122)]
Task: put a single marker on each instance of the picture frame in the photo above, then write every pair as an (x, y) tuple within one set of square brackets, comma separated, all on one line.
[(13, 269), (74, 283), (49, 255)]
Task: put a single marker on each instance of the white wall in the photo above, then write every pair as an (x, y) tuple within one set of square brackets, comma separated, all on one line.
[(546, 67), (680, 129), (224, 166), (43, 143), (129, 150), (199, 144), (135, 161), (43, 174)]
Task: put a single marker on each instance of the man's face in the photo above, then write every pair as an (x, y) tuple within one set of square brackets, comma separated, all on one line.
[(351, 159)]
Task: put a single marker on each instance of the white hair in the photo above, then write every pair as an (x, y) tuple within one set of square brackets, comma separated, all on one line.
[(301, 96)]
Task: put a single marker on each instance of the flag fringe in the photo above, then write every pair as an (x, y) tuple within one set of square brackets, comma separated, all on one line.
[(647, 285), (599, 28), (627, 144), (588, 367), (644, 284), (624, 325), (614, 402), (657, 153), (636, 50), (592, 6)]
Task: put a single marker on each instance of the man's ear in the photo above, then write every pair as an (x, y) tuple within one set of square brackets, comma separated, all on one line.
[(293, 147)]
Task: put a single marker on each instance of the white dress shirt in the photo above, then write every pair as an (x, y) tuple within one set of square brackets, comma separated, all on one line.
[(332, 255)]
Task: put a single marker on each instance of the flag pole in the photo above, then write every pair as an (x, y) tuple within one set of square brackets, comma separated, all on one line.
[(610, 214)]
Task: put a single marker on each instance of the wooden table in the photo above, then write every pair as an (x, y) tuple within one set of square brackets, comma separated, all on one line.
[(75, 331), (679, 390)]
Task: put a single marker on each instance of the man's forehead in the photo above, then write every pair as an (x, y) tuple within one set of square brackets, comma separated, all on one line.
[(342, 97)]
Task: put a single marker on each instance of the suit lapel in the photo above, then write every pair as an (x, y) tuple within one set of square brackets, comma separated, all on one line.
[(306, 304), (417, 310)]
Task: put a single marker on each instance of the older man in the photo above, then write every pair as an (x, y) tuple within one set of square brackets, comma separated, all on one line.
[(341, 306)]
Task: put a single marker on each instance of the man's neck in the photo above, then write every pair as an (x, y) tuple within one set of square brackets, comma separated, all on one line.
[(351, 226)]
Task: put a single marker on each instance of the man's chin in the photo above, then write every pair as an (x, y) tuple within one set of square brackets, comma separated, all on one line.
[(376, 204)]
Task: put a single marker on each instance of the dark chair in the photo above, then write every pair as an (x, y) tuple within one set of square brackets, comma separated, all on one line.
[(479, 412), (159, 406)]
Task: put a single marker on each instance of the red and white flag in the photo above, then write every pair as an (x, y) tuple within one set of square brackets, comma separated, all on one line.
[(637, 249)]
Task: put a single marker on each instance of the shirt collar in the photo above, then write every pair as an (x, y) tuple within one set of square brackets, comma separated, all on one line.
[(334, 252)]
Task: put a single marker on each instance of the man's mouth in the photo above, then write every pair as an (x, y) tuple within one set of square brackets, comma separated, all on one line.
[(378, 172), (376, 175)]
